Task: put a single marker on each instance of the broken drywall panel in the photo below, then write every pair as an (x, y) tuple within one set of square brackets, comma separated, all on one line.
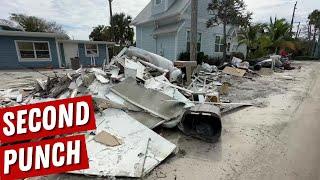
[(146, 119), (97, 71), (150, 100), (101, 79), (155, 83), (98, 89), (234, 71), (127, 159), (134, 69), (119, 100)]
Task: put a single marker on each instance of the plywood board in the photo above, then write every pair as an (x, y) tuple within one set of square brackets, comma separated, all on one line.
[(234, 71)]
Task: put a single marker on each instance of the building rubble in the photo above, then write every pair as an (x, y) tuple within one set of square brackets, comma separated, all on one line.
[(134, 93)]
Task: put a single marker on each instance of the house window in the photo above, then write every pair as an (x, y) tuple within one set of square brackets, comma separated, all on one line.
[(33, 51), (92, 50), (218, 44), (157, 2), (199, 36)]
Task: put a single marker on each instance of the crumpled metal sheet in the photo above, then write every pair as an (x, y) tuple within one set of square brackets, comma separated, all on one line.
[(127, 159), (150, 100)]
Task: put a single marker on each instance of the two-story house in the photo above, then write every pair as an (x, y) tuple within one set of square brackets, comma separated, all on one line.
[(163, 27)]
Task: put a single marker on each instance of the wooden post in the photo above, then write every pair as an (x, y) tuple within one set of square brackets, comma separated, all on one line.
[(194, 33)]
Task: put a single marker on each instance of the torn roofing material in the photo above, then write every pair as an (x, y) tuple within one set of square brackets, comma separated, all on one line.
[(150, 100), (127, 159)]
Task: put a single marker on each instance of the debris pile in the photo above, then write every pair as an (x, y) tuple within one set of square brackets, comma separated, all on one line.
[(136, 92)]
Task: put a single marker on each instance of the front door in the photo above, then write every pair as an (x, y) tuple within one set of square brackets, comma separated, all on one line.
[(71, 50)]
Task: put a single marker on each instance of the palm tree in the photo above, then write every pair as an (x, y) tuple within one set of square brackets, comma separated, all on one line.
[(250, 36), (123, 33), (278, 32), (119, 31)]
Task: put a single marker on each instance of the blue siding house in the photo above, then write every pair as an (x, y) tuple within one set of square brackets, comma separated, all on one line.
[(19, 49), (163, 27)]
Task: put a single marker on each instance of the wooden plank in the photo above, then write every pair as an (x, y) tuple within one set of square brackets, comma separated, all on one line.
[(234, 71)]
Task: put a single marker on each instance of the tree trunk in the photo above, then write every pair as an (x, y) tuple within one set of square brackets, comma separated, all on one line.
[(313, 42), (224, 41), (194, 33)]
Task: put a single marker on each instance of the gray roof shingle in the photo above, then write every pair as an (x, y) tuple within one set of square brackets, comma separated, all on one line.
[(146, 14)]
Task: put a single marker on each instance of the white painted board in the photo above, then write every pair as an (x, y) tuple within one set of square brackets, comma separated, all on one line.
[(125, 160)]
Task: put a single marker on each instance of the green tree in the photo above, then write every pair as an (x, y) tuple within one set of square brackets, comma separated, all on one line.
[(278, 33), (101, 33), (251, 36), (119, 30), (314, 20), (36, 24), (228, 12)]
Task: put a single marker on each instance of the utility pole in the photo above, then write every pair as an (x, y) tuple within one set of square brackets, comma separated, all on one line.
[(194, 32), (110, 14), (297, 33), (293, 14)]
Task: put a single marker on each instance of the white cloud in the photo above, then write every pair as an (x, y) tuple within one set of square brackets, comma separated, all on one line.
[(79, 16)]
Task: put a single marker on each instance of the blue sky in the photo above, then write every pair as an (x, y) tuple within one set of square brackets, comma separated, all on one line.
[(79, 16)]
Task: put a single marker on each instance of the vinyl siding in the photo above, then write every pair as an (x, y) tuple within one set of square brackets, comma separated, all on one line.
[(166, 46), (145, 38), (86, 61), (9, 57), (175, 44)]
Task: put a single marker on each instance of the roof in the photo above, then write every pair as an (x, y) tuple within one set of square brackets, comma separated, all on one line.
[(10, 25), (32, 34), (146, 16), (86, 42), (168, 29)]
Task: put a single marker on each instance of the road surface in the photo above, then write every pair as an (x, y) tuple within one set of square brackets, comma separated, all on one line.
[(280, 141)]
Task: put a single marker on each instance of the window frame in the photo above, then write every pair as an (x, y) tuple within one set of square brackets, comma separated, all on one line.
[(35, 58), (220, 44), (86, 53), (199, 41)]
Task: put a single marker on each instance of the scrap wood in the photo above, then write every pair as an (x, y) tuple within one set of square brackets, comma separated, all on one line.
[(234, 71)]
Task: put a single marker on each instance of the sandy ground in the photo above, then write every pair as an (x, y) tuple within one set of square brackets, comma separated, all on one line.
[(26, 77), (278, 140)]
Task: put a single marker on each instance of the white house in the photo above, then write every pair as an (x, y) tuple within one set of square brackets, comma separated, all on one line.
[(163, 27)]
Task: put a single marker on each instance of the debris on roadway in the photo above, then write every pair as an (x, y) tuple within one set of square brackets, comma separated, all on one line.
[(138, 91)]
